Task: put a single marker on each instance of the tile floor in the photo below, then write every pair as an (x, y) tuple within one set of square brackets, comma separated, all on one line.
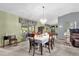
[(22, 49)]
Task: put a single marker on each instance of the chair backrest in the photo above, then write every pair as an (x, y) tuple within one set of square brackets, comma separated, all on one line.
[(32, 34), (50, 35)]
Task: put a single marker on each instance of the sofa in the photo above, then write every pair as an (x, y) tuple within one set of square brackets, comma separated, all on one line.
[(74, 37)]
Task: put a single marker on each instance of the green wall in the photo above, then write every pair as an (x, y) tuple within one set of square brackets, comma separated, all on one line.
[(2, 25), (9, 25)]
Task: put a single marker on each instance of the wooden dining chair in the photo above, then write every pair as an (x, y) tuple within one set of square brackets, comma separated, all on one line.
[(50, 42), (32, 43)]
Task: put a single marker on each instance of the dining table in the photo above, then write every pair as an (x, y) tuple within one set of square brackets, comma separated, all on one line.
[(41, 40)]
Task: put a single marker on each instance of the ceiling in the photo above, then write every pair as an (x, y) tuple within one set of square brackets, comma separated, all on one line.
[(34, 11)]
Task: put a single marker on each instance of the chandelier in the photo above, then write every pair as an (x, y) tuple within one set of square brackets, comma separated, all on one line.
[(43, 20)]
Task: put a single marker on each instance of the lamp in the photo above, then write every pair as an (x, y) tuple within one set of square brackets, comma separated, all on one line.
[(43, 20)]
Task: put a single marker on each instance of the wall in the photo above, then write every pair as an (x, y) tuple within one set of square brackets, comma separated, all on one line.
[(13, 27), (2, 25), (9, 25), (66, 22)]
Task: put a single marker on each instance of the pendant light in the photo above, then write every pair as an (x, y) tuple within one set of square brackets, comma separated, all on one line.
[(43, 20)]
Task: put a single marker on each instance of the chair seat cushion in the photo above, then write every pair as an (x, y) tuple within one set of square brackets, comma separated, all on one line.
[(34, 43), (47, 43)]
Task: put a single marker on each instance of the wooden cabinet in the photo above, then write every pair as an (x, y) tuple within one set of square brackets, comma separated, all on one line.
[(40, 29)]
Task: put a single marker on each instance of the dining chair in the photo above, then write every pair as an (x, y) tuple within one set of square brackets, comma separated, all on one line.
[(32, 43), (50, 43)]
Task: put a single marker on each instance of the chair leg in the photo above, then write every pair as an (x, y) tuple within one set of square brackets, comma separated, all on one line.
[(30, 47), (33, 50), (49, 47), (52, 42), (3, 43)]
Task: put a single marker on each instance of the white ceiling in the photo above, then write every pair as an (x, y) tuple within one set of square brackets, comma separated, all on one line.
[(34, 11)]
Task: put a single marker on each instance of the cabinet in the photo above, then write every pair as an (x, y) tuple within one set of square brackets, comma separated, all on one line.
[(40, 29)]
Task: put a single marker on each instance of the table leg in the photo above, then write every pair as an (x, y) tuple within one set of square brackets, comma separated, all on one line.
[(3, 43), (49, 46), (41, 49)]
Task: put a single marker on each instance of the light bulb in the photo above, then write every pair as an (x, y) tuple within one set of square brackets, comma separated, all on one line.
[(43, 21)]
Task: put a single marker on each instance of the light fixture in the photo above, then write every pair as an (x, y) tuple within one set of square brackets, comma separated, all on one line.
[(43, 20)]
